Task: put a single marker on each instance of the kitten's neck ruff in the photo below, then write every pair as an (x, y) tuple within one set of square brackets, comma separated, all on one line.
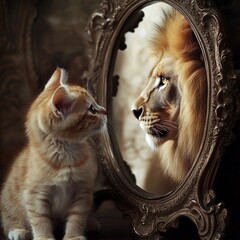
[(59, 153)]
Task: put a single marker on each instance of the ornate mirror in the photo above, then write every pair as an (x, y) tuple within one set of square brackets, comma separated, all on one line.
[(160, 44), (163, 71)]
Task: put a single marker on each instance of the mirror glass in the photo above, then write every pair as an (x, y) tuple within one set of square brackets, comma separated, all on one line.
[(159, 99)]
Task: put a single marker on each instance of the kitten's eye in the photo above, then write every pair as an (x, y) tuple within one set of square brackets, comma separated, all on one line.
[(92, 110), (162, 81)]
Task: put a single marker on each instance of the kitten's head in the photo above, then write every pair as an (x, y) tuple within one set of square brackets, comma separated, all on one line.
[(66, 112)]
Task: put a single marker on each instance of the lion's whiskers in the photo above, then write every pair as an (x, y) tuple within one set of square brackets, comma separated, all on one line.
[(169, 123)]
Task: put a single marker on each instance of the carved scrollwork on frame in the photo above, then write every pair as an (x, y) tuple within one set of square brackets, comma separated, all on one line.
[(101, 22), (194, 197)]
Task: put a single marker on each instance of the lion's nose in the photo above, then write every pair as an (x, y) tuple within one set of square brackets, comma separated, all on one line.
[(137, 112)]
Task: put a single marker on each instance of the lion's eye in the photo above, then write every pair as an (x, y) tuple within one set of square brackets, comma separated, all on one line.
[(162, 81), (92, 110)]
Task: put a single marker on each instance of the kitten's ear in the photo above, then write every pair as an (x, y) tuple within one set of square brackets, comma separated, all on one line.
[(62, 102), (59, 77)]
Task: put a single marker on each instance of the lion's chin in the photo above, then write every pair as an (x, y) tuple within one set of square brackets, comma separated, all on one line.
[(155, 140)]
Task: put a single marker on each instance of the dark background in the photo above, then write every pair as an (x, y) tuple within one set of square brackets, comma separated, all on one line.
[(38, 36)]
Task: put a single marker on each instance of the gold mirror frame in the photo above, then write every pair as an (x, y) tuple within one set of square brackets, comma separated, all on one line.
[(194, 197)]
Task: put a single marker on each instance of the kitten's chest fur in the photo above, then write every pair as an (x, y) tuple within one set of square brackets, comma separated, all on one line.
[(61, 173), (61, 197), (61, 163), (67, 175)]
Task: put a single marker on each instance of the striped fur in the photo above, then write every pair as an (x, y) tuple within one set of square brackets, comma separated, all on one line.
[(54, 177)]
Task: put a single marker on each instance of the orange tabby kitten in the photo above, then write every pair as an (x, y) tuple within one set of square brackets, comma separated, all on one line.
[(54, 176)]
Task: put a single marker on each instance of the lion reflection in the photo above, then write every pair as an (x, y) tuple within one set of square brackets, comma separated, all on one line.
[(171, 109)]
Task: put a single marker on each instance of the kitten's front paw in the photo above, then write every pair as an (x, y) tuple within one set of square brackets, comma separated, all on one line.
[(76, 238), (19, 234)]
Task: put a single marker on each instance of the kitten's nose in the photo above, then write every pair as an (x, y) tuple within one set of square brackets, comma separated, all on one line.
[(102, 110), (137, 112)]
